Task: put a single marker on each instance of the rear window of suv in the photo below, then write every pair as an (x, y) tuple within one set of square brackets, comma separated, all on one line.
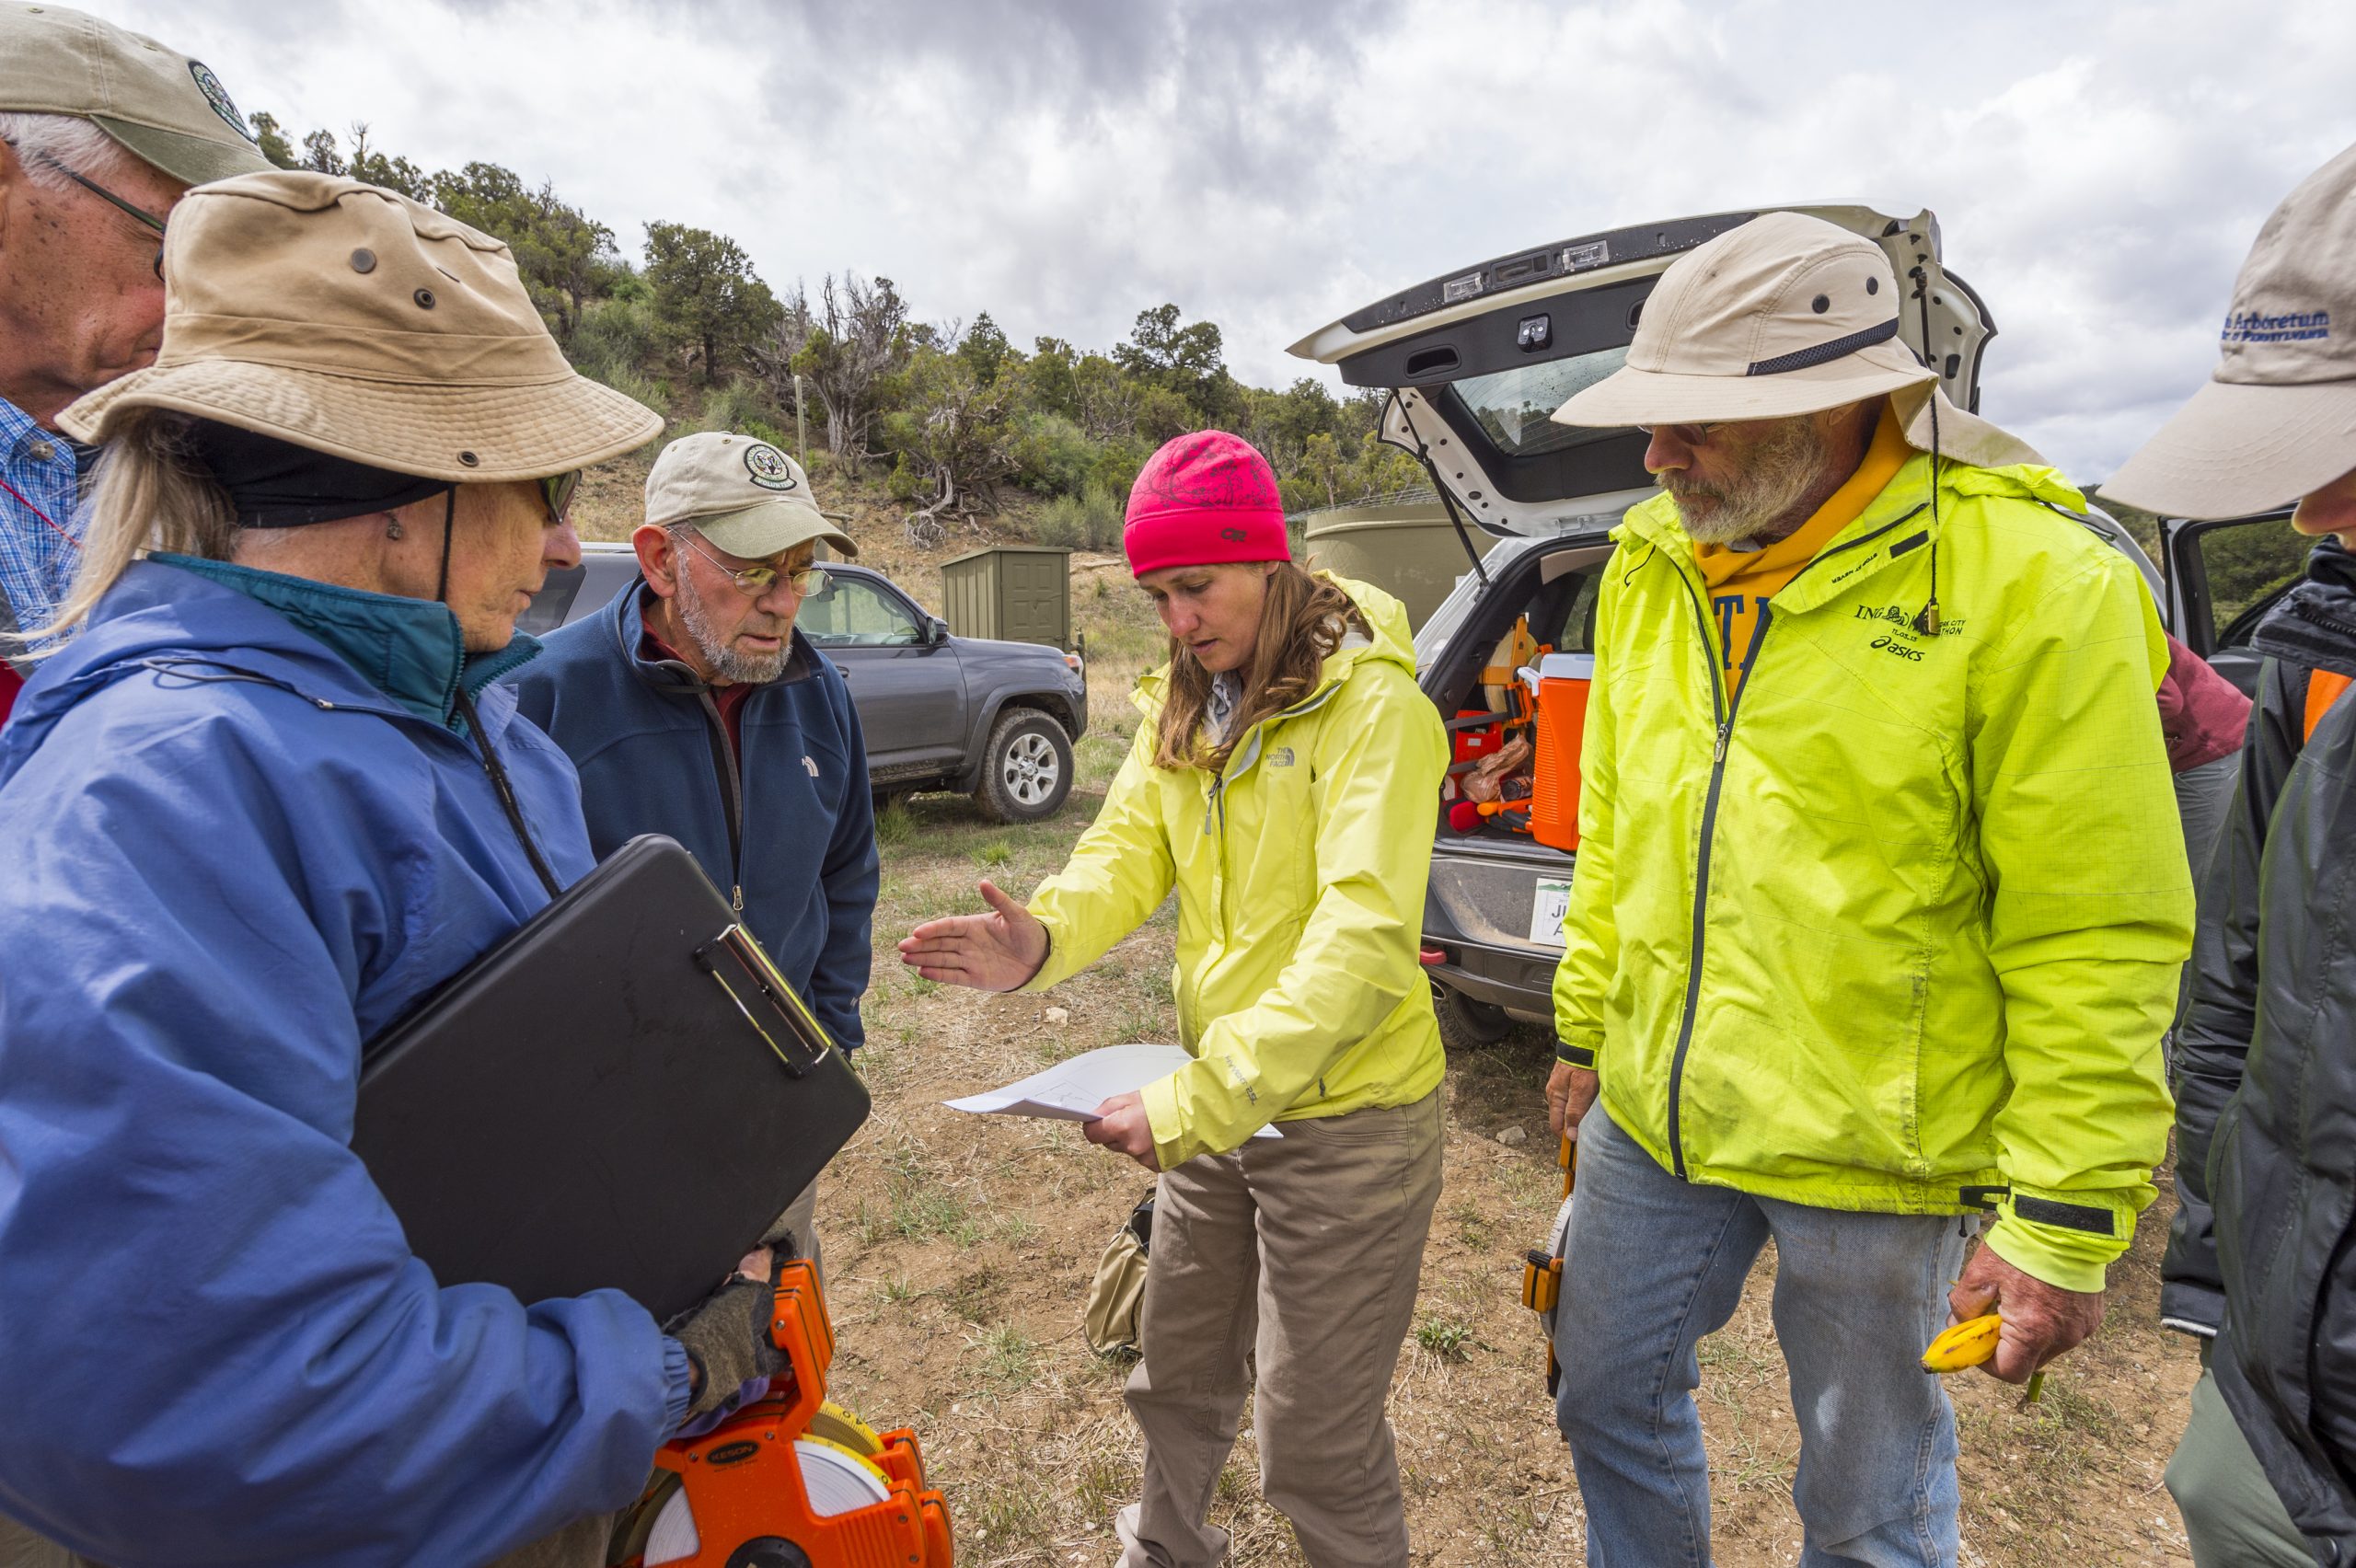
[(1515, 408)]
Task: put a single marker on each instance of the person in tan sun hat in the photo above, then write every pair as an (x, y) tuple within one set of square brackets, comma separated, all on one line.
[(100, 131), (2257, 1262), (273, 798), (1879, 904)]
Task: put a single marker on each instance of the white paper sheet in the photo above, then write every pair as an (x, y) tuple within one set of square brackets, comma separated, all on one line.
[(1071, 1091)]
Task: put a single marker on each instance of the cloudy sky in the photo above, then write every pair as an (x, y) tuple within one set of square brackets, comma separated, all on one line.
[(2098, 168)]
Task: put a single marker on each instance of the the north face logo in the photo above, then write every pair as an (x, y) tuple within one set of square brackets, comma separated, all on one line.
[(810, 767), (1280, 757)]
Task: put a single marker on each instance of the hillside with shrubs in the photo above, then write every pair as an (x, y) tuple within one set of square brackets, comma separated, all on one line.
[(951, 419)]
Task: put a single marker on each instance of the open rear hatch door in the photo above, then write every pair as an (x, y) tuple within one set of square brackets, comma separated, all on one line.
[(1478, 361)]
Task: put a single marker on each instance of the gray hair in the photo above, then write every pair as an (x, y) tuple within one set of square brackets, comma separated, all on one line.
[(147, 494), (46, 141)]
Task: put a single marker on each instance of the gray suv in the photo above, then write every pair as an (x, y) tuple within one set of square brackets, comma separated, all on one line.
[(1475, 365), (993, 719)]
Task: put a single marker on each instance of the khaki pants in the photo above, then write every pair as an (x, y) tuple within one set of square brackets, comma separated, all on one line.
[(1304, 1251), (581, 1544)]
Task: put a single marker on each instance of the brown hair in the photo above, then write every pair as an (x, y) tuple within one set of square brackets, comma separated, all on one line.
[(148, 495), (1302, 620)]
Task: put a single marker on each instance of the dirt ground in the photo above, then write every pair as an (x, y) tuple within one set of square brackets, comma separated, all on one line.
[(958, 1250)]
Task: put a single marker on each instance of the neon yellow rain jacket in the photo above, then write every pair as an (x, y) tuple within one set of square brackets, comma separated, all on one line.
[(1300, 877), (1899, 929)]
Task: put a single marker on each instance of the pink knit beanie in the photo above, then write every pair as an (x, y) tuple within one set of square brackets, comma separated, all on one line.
[(1205, 498)]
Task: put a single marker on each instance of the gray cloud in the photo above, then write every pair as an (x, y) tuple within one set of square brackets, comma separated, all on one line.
[(1272, 164)]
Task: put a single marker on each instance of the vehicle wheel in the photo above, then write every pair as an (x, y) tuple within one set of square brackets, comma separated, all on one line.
[(1026, 767), (1465, 1023)]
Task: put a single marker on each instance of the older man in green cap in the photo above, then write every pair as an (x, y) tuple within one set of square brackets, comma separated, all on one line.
[(100, 131)]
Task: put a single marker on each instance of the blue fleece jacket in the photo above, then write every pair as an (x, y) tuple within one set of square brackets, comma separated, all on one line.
[(233, 859), (791, 827)]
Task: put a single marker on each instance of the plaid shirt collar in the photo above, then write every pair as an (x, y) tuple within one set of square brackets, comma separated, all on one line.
[(39, 531)]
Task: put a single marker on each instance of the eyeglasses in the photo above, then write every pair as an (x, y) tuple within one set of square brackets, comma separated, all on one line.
[(756, 580), (100, 191), (556, 494), (1690, 435)]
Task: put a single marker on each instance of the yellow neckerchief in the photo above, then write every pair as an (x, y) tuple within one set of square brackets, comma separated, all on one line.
[(1741, 581)]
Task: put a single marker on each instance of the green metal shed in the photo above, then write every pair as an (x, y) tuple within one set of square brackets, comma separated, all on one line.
[(1018, 592), (1409, 549)]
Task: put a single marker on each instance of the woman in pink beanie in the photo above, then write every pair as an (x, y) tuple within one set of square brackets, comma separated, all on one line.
[(1286, 784)]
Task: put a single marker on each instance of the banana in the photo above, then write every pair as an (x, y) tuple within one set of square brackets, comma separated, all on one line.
[(1966, 1344)]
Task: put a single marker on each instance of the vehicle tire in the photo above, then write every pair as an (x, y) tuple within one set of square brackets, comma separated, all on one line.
[(1026, 767), (1464, 1023)]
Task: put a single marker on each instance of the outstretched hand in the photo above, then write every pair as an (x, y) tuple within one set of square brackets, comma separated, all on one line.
[(2041, 1321), (996, 952)]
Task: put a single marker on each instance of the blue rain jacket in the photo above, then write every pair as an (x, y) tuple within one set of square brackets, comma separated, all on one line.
[(226, 874), (790, 829)]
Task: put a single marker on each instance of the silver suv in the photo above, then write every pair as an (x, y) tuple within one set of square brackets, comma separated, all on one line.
[(996, 720), (1475, 363)]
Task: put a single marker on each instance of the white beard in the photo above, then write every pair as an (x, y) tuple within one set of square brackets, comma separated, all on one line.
[(1781, 470)]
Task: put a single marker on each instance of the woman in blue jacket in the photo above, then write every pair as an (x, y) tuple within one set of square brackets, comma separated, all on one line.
[(263, 799)]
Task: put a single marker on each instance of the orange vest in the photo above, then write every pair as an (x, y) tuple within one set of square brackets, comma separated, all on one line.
[(2323, 690)]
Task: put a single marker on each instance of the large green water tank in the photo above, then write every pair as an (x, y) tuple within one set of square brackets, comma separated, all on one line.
[(1406, 550)]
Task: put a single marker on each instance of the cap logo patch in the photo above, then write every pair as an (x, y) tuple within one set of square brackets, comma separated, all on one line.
[(2291, 327), (218, 97), (767, 466)]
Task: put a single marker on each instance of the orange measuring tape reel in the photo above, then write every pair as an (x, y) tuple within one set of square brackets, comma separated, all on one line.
[(788, 1480)]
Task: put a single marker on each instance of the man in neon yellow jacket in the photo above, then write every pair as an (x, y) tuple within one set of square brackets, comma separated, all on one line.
[(1878, 901)]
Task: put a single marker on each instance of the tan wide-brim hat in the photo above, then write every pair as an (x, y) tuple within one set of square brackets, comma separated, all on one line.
[(170, 110), (1783, 315), (352, 320), (2278, 418), (743, 495)]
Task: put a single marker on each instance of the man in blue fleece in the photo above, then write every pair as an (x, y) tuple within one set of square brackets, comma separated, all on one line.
[(693, 709)]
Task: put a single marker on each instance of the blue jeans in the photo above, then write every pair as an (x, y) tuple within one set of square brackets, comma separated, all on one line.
[(1653, 1264)]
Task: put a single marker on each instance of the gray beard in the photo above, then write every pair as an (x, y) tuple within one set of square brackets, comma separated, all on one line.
[(721, 654), (1781, 471)]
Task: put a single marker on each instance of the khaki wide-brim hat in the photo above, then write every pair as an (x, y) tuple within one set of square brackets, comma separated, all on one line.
[(170, 110), (1783, 315), (352, 320), (743, 495), (2278, 418)]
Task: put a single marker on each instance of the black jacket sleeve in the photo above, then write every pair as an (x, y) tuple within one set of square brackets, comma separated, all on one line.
[(2213, 1040)]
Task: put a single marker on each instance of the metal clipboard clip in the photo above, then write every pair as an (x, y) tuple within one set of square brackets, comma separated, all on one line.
[(735, 951)]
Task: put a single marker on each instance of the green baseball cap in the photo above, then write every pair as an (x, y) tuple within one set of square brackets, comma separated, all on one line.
[(166, 110), (741, 494)]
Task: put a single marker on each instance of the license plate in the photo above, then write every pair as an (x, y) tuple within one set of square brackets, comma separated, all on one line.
[(1547, 907)]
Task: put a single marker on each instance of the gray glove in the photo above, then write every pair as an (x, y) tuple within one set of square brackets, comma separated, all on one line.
[(727, 1338)]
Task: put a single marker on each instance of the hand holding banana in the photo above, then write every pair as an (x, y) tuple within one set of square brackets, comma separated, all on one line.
[(2037, 1321)]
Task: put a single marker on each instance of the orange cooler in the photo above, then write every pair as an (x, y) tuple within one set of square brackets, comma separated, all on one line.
[(1563, 681)]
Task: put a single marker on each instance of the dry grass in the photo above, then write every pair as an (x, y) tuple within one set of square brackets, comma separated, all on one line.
[(959, 1249)]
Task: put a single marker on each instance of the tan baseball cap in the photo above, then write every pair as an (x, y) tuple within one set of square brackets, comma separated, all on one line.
[(741, 494), (349, 319), (168, 110), (2278, 418)]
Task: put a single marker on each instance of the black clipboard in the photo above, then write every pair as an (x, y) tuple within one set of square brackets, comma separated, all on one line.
[(623, 1093)]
